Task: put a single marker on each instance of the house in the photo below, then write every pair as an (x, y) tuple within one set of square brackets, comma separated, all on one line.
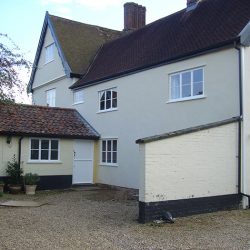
[(183, 75), (47, 141)]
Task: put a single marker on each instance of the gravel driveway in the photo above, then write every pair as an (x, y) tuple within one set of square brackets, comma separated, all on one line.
[(99, 220)]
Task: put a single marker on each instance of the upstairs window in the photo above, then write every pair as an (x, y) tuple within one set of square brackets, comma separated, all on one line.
[(49, 53), (51, 97), (78, 96), (44, 150), (108, 100), (187, 84), (109, 151)]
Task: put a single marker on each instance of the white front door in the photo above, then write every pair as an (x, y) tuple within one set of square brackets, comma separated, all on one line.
[(83, 162)]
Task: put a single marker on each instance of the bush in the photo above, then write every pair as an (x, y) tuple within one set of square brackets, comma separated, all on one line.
[(31, 179), (14, 171)]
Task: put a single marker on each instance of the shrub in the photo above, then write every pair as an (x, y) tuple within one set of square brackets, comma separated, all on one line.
[(31, 179), (14, 171)]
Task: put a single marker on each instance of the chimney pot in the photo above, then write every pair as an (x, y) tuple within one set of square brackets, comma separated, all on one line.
[(134, 16)]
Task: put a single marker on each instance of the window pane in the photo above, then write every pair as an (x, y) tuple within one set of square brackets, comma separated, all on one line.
[(175, 87), (114, 157), (78, 96), (114, 94), (103, 145), (49, 53), (198, 88), (44, 154), (186, 84), (102, 105), (198, 75), (45, 144), (103, 157), (102, 96), (34, 155), (108, 104), (115, 145), (109, 157), (54, 144), (108, 95), (114, 103), (51, 97), (109, 145), (54, 155), (34, 144)]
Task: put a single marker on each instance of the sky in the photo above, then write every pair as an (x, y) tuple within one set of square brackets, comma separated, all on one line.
[(22, 20)]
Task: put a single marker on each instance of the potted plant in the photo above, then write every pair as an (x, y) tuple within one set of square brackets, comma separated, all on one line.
[(30, 181), (1, 186), (14, 171)]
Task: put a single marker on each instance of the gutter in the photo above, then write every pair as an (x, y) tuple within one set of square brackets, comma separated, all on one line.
[(240, 151), (19, 150)]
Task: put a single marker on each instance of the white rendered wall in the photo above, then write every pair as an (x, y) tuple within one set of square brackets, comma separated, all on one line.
[(51, 76), (143, 109), (199, 164)]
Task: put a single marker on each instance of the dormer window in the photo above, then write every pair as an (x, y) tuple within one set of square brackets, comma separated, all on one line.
[(49, 53)]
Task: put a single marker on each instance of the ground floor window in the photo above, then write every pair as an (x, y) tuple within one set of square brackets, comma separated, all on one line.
[(109, 151), (44, 149)]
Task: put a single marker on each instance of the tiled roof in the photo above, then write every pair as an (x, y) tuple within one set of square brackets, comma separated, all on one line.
[(211, 24), (80, 42), (30, 120)]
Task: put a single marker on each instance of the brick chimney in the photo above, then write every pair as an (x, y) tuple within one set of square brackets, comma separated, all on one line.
[(134, 16)]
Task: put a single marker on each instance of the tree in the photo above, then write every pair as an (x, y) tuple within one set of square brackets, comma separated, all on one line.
[(11, 64)]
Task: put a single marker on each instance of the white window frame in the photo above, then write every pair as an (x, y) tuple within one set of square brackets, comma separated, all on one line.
[(49, 53), (39, 160), (192, 97), (51, 99), (76, 95), (111, 164), (111, 104)]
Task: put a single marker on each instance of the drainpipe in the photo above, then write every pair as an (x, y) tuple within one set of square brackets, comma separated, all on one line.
[(20, 150), (239, 49)]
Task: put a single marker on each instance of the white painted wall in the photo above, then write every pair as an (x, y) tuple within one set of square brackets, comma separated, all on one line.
[(143, 109), (199, 164), (54, 69), (51, 75), (64, 96)]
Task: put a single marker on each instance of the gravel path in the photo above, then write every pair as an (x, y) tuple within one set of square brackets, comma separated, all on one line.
[(98, 220)]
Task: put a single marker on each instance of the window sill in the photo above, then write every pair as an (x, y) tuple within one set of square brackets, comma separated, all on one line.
[(76, 103), (105, 111), (44, 162), (108, 165), (187, 99)]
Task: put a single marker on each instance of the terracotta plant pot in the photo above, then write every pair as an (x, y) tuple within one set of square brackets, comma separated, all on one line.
[(15, 189), (30, 189)]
